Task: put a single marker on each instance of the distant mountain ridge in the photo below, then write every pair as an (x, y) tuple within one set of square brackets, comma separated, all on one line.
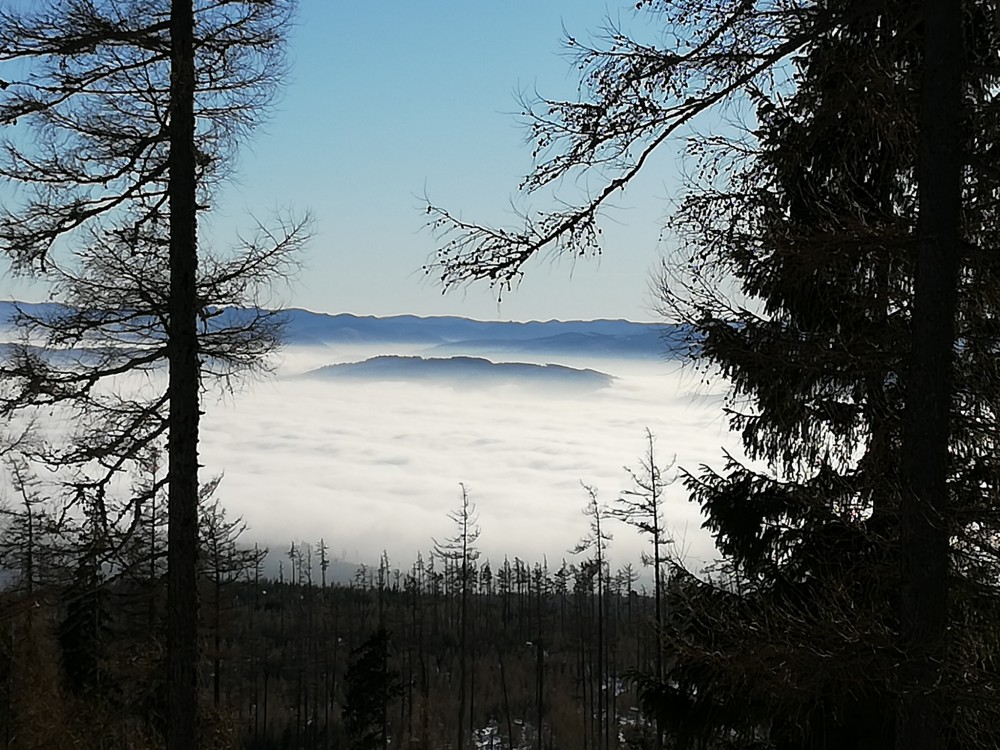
[(449, 335)]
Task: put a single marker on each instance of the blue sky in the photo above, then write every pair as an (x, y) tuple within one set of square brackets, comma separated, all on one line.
[(388, 101)]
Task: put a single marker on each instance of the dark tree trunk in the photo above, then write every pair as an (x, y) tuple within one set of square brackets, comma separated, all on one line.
[(472, 703), (182, 533), (267, 675), (462, 647), (217, 636), (506, 698), (601, 646), (540, 689), (385, 702), (254, 645), (922, 719)]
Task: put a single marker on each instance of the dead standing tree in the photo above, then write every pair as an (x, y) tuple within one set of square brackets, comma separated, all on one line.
[(460, 550), (596, 542), (641, 507)]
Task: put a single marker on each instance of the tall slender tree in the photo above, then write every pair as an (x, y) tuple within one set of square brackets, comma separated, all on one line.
[(184, 409), (461, 551), (641, 506), (136, 107), (596, 542), (36, 544)]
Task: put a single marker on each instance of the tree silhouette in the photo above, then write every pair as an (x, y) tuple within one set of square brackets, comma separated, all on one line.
[(925, 527), (371, 686), (135, 108), (596, 542), (641, 506), (460, 551), (798, 268)]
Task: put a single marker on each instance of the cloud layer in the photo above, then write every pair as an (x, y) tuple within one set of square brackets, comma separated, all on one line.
[(373, 466)]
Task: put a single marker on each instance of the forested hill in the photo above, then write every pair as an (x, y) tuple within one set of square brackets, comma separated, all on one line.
[(450, 335), (467, 371)]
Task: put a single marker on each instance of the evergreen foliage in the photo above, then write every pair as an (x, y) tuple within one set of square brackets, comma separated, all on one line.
[(371, 687), (804, 237)]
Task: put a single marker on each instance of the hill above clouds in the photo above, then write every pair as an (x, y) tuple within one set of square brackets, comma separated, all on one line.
[(469, 372)]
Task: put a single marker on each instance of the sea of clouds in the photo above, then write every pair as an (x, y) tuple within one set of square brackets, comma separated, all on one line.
[(373, 466), (376, 465)]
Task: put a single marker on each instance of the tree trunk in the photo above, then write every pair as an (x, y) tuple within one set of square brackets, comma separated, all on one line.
[(540, 689), (462, 650), (182, 349), (217, 635), (922, 718), (506, 698), (267, 675), (599, 686)]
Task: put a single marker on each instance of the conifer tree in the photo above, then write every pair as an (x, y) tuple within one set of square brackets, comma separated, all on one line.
[(925, 712), (135, 108), (371, 685), (797, 265)]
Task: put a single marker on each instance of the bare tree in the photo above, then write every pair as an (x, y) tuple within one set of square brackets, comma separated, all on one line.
[(596, 541), (635, 97), (460, 550), (224, 561), (36, 533), (127, 113), (641, 507)]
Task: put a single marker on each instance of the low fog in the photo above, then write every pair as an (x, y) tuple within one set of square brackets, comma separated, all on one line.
[(373, 466), (370, 458)]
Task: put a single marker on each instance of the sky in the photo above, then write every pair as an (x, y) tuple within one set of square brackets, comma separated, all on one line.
[(388, 102)]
